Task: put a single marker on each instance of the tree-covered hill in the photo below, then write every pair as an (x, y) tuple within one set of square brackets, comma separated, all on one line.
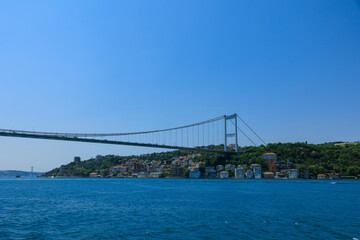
[(338, 157)]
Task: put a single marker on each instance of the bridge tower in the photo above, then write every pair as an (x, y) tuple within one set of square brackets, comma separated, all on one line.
[(231, 134)]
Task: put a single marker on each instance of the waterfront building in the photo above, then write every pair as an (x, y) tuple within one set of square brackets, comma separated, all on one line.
[(257, 173), (293, 173), (193, 169), (270, 159), (120, 169), (306, 174), (334, 175), (249, 174), (155, 174), (175, 162), (224, 174), (321, 176), (268, 175), (177, 171), (136, 167), (113, 169), (239, 173), (230, 167), (194, 174), (184, 164), (93, 175), (257, 170), (200, 164), (281, 175), (220, 167), (212, 173), (142, 175), (208, 169)]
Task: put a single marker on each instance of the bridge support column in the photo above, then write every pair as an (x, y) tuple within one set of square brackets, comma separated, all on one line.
[(232, 134), (225, 132), (236, 134)]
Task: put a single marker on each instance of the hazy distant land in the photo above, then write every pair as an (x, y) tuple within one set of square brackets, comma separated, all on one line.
[(13, 173)]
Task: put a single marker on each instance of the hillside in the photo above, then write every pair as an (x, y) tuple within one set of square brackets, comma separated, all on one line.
[(338, 157)]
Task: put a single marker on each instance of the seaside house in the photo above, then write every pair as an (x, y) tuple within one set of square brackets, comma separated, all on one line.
[(281, 175), (306, 174), (293, 173), (334, 175), (270, 159), (212, 173), (155, 174), (208, 169), (177, 171), (224, 174), (268, 175), (219, 167), (321, 176), (142, 175), (257, 170), (230, 167), (239, 173), (194, 172), (249, 174), (200, 164)]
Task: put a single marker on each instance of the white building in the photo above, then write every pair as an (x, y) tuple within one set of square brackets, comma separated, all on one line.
[(257, 170), (155, 174)]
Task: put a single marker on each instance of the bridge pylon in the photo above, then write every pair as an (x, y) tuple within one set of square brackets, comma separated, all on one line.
[(231, 134)]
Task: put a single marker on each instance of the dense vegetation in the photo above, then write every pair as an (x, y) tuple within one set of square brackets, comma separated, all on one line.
[(341, 158), (318, 158)]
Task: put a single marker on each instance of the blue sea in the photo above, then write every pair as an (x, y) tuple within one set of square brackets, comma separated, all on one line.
[(178, 209)]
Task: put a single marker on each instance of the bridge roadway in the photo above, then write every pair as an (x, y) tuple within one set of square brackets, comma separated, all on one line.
[(9, 133)]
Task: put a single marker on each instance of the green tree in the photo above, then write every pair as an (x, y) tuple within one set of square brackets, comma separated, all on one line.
[(353, 171)]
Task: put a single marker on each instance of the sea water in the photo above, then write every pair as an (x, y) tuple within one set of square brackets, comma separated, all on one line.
[(71, 208)]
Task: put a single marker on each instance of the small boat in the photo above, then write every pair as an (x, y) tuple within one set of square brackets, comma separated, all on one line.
[(17, 176)]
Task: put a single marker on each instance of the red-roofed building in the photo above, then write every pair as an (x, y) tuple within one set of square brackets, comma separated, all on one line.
[(321, 176), (224, 174), (270, 159)]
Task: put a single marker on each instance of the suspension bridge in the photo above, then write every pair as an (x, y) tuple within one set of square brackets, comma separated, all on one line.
[(201, 136)]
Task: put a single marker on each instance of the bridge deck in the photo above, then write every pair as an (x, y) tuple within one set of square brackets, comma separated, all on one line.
[(89, 140)]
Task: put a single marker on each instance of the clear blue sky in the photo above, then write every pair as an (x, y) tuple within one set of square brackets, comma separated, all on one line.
[(290, 68)]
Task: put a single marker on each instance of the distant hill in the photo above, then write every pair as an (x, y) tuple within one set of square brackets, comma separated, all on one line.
[(13, 173)]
